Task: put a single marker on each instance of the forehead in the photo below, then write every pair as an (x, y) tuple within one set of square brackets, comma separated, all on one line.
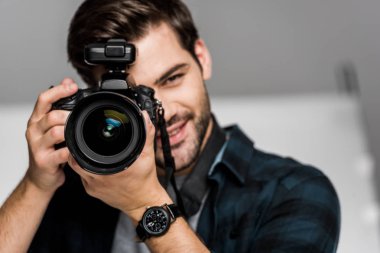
[(160, 47), (156, 35)]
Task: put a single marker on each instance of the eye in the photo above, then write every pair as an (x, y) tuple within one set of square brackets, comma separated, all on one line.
[(174, 79)]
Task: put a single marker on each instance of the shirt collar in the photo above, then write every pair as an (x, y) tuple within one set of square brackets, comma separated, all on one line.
[(236, 156)]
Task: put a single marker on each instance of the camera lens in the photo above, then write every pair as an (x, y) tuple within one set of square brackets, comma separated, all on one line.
[(107, 131)]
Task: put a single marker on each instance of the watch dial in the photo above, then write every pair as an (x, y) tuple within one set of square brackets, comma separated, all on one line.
[(156, 221)]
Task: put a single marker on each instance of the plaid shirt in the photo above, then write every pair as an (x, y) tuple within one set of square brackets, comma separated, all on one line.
[(263, 203), (257, 202)]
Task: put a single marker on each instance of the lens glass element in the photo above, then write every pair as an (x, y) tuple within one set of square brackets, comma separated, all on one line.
[(107, 131)]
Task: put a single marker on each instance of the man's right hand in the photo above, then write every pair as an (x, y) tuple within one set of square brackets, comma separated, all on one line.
[(45, 129), (22, 212)]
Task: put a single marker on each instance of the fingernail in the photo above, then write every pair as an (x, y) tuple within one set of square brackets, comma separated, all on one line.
[(70, 87), (67, 80)]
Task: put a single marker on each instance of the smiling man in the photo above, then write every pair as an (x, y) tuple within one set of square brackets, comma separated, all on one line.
[(178, 80), (236, 198)]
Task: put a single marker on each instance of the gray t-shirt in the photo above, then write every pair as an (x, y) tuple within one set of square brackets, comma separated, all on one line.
[(125, 240)]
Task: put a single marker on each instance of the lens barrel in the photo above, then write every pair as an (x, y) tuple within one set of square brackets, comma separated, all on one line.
[(105, 132)]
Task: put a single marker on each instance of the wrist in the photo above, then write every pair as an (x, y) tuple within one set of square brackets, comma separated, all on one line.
[(34, 184), (156, 197), (30, 188)]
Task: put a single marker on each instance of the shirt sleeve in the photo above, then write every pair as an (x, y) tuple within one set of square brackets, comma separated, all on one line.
[(304, 216)]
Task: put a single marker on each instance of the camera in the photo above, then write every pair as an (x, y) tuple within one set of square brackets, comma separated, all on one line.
[(105, 131)]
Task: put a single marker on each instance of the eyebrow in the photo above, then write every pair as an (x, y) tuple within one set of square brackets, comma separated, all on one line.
[(168, 73)]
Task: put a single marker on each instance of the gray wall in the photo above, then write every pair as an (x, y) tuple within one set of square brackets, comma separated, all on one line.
[(259, 47), (32, 47)]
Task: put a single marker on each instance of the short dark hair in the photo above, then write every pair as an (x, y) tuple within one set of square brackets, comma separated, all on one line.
[(100, 20)]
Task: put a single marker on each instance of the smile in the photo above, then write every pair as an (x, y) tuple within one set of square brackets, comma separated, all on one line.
[(176, 132)]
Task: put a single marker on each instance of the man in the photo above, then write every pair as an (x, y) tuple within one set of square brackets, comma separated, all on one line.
[(237, 198)]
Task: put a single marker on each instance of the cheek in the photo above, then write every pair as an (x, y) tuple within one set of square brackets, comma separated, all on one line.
[(184, 98)]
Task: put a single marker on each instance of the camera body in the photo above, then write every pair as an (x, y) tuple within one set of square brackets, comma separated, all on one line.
[(105, 131)]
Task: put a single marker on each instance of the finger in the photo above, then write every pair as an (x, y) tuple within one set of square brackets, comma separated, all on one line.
[(53, 136), (86, 177), (79, 170), (150, 130), (53, 118), (48, 97), (52, 159), (74, 165), (59, 156), (33, 133)]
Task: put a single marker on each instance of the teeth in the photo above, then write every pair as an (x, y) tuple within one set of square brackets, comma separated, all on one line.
[(174, 132)]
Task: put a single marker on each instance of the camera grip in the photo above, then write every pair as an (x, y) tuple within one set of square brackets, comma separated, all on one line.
[(67, 103), (147, 102)]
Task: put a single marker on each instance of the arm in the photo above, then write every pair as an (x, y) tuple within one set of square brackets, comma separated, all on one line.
[(136, 188), (22, 212), (21, 215)]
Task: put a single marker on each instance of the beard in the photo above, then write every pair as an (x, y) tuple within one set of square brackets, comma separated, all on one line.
[(188, 151)]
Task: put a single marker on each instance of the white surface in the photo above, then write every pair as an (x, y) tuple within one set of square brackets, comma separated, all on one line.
[(324, 130), (13, 147)]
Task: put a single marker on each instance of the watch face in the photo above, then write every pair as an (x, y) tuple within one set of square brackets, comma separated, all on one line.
[(156, 221)]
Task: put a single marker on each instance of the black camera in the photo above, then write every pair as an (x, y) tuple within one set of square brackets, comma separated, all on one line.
[(105, 131)]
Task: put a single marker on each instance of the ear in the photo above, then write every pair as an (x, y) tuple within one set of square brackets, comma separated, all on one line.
[(204, 58)]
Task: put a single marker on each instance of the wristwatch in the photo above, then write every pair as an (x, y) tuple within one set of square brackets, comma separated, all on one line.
[(156, 220)]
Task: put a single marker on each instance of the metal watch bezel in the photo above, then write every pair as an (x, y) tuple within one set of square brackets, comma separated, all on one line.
[(148, 215)]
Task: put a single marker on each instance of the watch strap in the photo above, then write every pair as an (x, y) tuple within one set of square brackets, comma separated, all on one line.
[(174, 211), (141, 233)]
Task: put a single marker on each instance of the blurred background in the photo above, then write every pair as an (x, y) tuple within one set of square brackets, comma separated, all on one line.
[(300, 77)]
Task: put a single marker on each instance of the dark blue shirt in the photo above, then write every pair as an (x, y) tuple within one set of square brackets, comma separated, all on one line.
[(261, 203), (257, 202)]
